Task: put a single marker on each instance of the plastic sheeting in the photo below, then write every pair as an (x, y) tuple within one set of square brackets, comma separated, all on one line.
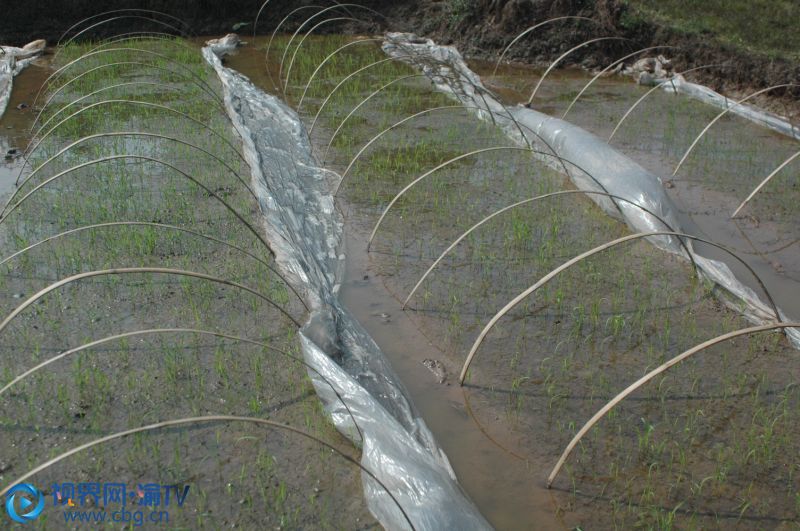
[(12, 62), (304, 230), (613, 172), (224, 45), (706, 95)]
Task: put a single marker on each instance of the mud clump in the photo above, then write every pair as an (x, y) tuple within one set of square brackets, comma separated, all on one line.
[(437, 368)]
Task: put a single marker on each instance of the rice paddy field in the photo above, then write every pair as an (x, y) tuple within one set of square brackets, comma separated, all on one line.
[(680, 451), (136, 188), (138, 288)]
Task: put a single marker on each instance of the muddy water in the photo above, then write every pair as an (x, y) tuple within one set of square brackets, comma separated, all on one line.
[(508, 491), (220, 461), (15, 123), (513, 499), (722, 170)]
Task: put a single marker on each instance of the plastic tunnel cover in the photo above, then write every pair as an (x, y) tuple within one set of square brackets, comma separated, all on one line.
[(305, 231), (12, 62), (617, 173)]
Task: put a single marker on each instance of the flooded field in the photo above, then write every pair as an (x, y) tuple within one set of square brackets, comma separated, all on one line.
[(728, 163), (690, 448), (134, 186), (147, 315)]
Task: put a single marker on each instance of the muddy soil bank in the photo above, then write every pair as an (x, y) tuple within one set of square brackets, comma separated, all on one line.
[(47, 19), (482, 28), (479, 28)]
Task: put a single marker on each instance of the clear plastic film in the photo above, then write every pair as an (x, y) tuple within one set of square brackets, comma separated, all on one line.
[(651, 71), (12, 62), (610, 171), (772, 121), (305, 231)]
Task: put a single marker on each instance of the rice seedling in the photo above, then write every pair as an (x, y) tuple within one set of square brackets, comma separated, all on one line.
[(608, 321), (704, 444), (720, 115), (130, 357)]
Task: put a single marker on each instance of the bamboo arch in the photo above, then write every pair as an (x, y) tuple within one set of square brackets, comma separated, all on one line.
[(723, 113), (479, 89), (765, 181), (646, 94), (312, 17), (107, 65), (530, 29), (531, 200), (278, 26), (345, 80), (124, 133), (163, 226), (133, 36), (55, 76), (137, 270), (303, 39), (432, 109), (565, 54), (649, 376), (255, 22), (456, 159), (112, 19), (325, 61), (128, 102), (150, 159), (360, 104), (566, 265), (113, 11), (603, 71), (150, 34), (209, 418), (212, 333)]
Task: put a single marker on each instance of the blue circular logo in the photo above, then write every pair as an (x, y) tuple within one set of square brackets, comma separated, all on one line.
[(30, 506)]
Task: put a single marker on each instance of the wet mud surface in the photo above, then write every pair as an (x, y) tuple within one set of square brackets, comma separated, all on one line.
[(713, 443), (731, 160), (239, 474), (709, 444), (14, 134)]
